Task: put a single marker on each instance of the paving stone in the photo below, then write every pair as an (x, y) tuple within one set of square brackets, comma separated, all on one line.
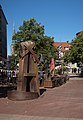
[(59, 103)]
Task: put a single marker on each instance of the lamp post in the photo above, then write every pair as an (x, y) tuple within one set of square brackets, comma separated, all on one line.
[(41, 70), (15, 62), (60, 57), (8, 62)]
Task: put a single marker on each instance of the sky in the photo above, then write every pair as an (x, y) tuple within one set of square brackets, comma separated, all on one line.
[(62, 19)]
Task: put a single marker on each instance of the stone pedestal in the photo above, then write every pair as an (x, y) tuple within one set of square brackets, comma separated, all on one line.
[(22, 95)]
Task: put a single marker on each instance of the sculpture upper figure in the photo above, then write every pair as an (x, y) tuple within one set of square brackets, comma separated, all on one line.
[(26, 47)]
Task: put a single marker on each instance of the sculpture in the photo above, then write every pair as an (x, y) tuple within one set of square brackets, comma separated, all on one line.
[(28, 84)]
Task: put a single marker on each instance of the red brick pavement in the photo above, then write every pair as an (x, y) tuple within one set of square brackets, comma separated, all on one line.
[(65, 101)]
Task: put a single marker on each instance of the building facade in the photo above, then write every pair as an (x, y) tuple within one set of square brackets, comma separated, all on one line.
[(61, 47), (3, 37)]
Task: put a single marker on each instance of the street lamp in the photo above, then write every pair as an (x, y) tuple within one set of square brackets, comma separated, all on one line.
[(60, 57), (41, 69), (8, 62)]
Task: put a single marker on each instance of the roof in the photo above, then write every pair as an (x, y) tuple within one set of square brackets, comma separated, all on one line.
[(63, 44)]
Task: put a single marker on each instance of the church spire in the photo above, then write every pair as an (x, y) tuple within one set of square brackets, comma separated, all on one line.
[(13, 33), (12, 44)]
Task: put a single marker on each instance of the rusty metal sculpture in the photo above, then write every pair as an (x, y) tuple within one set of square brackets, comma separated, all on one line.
[(27, 85)]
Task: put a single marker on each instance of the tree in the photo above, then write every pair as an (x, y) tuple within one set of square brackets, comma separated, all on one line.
[(66, 57), (13, 62), (77, 48), (31, 30), (75, 54)]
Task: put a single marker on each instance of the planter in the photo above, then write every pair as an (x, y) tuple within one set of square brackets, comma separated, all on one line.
[(49, 83)]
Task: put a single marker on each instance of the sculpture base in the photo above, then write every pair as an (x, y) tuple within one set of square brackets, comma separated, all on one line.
[(22, 95)]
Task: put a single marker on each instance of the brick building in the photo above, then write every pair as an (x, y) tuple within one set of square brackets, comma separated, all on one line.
[(62, 47)]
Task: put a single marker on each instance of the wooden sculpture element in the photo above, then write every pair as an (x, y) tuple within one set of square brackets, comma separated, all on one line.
[(28, 84)]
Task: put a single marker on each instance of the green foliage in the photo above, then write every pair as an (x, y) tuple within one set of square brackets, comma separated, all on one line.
[(75, 54), (58, 71), (66, 57), (31, 30), (13, 62), (77, 48)]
